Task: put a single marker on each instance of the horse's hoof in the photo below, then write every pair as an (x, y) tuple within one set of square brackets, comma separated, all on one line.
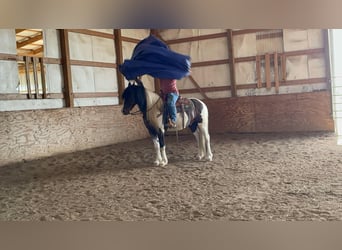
[(199, 157), (156, 163), (163, 163), (210, 158)]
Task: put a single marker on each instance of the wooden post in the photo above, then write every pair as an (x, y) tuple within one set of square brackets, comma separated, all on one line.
[(327, 57), (283, 66), (156, 81), (268, 70), (42, 73), (65, 52), (276, 73), (35, 77), (119, 61), (258, 71), (27, 74), (231, 63)]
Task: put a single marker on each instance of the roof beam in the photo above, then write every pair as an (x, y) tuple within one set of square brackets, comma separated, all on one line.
[(30, 40)]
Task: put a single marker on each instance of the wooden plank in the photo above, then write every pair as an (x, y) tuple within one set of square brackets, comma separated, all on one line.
[(276, 72), (327, 57), (268, 70), (30, 40), (65, 53), (92, 33), (35, 76), (156, 80), (129, 39), (196, 38), (248, 31), (258, 71), (304, 52), (205, 89), (96, 94), (49, 60), (268, 36), (8, 57), (27, 74), (210, 63), (13, 96), (231, 62), (92, 64), (42, 74), (19, 30), (283, 67), (119, 61)]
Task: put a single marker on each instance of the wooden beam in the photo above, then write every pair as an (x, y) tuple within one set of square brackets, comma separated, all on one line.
[(93, 64), (129, 39), (327, 57), (92, 33), (196, 38), (268, 70), (231, 62), (283, 67), (96, 94), (35, 76), (276, 72), (42, 74), (248, 31), (65, 52), (27, 74), (156, 81), (38, 50), (19, 30), (210, 63), (30, 40), (258, 71), (119, 61)]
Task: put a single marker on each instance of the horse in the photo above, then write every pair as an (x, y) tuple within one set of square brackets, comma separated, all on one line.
[(194, 115)]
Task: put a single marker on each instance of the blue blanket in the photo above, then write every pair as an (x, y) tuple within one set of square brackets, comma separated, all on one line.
[(153, 57)]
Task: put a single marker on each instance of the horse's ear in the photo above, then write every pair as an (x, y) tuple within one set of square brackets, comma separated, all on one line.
[(139, 82)]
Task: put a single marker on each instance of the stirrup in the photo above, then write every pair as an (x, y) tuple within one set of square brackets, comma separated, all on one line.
[(171, 124)]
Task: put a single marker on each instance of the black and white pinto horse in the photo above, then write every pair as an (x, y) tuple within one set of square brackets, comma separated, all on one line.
[(194, 116)]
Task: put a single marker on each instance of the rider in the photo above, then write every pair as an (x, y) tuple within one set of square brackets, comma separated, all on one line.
[(170, 94)]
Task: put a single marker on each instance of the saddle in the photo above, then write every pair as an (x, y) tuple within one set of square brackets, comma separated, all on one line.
[(185, 105)]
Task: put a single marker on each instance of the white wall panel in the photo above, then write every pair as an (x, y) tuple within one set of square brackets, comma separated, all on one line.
[(204, 50), (297, 67), (82, 79), (7, 41), (103, 50), (244, 45), (54, 78), (9, 77), (80, 47), (105, 80), (51, 43)]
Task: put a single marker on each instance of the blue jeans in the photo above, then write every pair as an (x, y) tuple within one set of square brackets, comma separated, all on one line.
[(171, 110)]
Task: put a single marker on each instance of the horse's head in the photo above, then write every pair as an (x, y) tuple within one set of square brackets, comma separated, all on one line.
[(133, 95)]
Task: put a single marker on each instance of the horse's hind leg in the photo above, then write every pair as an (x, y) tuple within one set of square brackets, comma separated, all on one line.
[(205, 141), (207, 147), (200, 143)]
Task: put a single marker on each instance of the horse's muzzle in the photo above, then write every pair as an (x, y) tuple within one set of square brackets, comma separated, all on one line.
[(125, 111)]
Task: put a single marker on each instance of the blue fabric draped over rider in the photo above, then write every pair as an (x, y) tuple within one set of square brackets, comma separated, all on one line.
[(151, 56)]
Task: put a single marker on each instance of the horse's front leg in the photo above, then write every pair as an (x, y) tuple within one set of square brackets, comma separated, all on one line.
[(162, 146), (156, 144)]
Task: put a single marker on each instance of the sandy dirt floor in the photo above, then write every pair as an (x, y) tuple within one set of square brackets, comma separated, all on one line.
[(269, 177)]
